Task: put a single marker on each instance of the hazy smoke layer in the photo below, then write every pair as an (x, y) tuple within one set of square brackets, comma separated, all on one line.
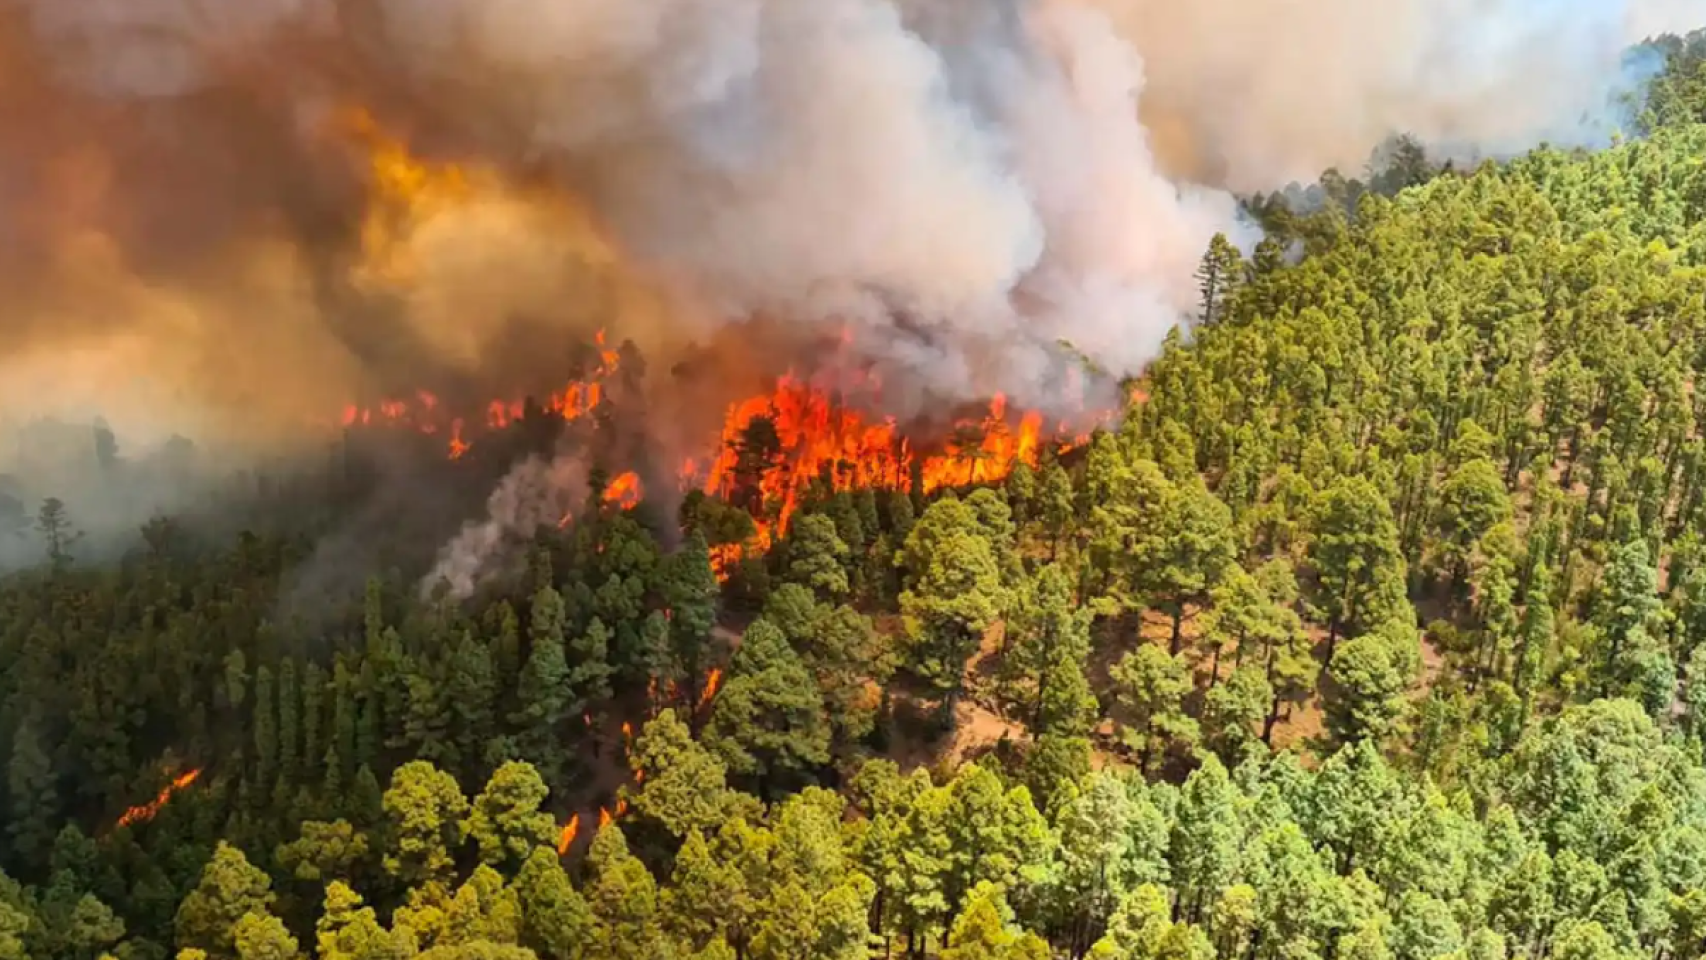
[(966, 181)]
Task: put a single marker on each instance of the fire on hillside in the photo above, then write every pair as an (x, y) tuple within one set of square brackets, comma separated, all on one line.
[(820, 415)]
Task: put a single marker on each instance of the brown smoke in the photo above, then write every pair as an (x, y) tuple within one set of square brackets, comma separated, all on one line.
[(196, 235)]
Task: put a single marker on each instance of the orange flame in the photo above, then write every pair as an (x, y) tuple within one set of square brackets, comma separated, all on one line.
[(147, 811), (819, 439), (567, 838), (608, 356), (604, 818), (713, 680), (624, 491), (817, 436), (627, 733), (424, 413)]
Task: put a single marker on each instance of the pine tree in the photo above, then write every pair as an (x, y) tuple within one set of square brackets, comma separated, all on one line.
[(1219, 275), (265, 726), (768, 719), (289, 721), (506, 820), (542, 692), (229, 890), (32, 791)]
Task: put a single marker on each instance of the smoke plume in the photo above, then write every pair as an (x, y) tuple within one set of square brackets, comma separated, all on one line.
[(195, 233), (536, 493)]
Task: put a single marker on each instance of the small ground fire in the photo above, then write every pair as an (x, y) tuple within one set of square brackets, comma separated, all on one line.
[(144, 812)]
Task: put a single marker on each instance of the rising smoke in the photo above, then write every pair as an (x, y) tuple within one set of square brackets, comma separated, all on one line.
[(183, 231), (188, 242)]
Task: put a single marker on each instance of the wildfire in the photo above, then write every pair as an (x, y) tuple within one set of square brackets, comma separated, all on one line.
[(764, 467), (815, 438), (424, 414), (147, 811), (567, 838), (409, 196), (624, 491), (713, 680), (772, 449)]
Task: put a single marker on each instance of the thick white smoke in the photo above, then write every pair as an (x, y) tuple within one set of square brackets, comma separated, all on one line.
[(534, 494), (970, 181), (966, 182)]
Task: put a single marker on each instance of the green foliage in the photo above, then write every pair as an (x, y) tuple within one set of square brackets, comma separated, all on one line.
[(1151, 687), (230, 890), (323, 851), (1371, 674), (425, 808), (769, 718), (1157, 696), (685, 787), (506, 820)]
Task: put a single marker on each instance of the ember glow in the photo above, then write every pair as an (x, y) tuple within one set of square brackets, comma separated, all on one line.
[(143, 813)]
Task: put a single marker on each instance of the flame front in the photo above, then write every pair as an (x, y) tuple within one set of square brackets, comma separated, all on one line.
[(143, 813), (774, 446), (424, 414)]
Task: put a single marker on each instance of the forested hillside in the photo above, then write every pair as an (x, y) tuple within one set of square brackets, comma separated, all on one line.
[(1375, 631)]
